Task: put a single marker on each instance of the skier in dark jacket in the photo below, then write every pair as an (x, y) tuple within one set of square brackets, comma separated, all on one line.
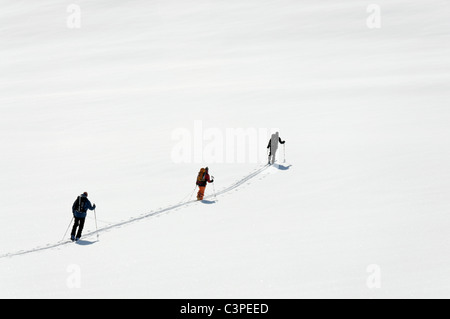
[(79, 210), (273, 146)]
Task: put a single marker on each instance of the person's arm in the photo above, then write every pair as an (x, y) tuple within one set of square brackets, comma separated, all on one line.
[(270, 143), (74, 206), (89, 205), (282, 142)]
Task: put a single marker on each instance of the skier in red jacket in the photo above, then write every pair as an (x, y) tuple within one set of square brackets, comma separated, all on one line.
[(202, 179)]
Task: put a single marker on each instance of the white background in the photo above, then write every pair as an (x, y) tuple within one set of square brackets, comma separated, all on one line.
[(364, 112)]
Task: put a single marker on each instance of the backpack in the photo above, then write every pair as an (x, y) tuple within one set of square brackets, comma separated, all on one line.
[(80, 204), (201, 176)]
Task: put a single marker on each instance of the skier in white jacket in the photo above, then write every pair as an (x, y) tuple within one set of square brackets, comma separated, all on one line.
[(273, 146)]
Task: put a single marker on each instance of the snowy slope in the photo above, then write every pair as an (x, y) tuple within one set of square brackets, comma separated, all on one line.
[(364, 112)]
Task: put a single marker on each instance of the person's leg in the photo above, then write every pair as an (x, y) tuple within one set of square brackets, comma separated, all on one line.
[(201, 192), (274, 152), (80, 228), (74, 228), (273, 158)]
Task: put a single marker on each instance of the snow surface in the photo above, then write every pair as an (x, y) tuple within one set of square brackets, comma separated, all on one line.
[(359, 210)]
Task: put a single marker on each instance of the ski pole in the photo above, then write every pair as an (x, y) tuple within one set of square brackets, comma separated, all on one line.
[(96, 228), (192, 193), (284, 151), (214, 188), (67, 229), (188, 196)]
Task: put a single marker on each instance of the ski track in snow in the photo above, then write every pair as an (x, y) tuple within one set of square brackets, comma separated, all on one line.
[(141, 217)]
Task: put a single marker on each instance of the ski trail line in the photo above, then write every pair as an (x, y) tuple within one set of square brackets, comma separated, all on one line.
[(141, 217)]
